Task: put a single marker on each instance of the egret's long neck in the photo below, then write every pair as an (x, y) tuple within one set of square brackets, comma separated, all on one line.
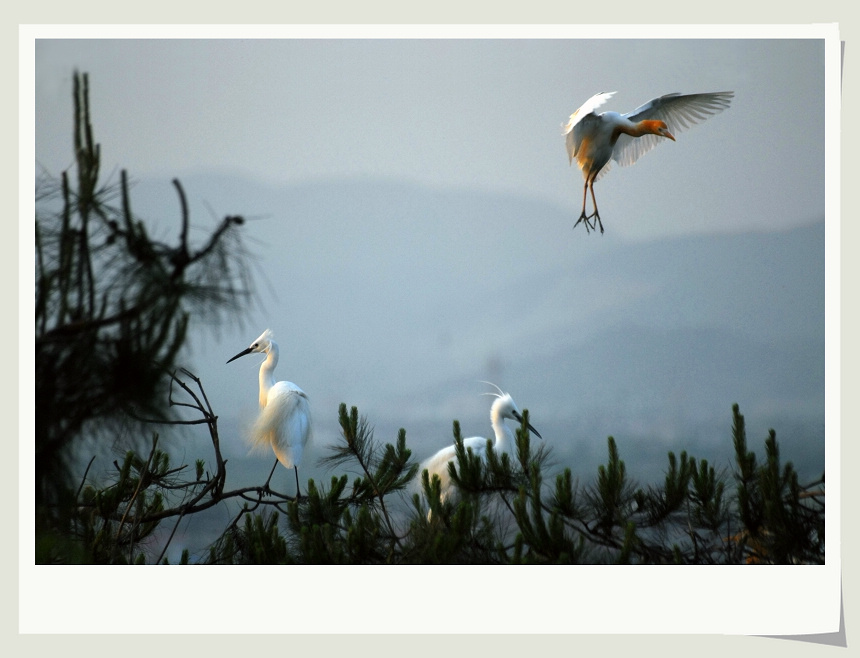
[(267, 373), (504, 437), (644, 127)]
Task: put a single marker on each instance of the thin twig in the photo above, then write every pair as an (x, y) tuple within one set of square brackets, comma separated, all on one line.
[(170, 538), (137, 489)]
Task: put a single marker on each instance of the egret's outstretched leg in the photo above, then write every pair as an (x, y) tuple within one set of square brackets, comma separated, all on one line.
[(583, 217), (595, 214), (269, 479), (298, 491)]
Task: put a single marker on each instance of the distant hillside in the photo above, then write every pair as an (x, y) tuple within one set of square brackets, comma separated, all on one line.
[(401, 298)]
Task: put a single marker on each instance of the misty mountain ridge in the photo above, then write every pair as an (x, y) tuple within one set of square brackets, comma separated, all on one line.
[(404, 297), (400, 299)]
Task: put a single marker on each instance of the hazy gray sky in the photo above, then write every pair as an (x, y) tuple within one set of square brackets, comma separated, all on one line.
[(483, 114), (475, 115)]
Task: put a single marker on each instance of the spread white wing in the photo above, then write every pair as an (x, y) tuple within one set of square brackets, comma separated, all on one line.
[(679, 112)]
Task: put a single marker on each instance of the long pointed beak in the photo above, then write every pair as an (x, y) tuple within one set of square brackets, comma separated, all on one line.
[(533, 431), (529, 425), (242, 353), (670, 135)]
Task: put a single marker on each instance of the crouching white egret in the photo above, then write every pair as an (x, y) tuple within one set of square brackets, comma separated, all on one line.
[(284, 422), (503, 408), (594, 139)]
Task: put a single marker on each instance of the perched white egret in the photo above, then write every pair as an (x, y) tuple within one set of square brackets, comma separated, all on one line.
[(284, 422), (594, 139), (503, 408)]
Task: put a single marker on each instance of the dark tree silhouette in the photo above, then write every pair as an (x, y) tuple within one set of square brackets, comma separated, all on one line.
[(112, 308)]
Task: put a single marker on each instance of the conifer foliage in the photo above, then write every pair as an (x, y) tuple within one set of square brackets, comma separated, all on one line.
[(112, 306), (505, 513)]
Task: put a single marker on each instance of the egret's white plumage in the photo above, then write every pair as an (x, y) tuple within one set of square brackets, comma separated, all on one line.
[(503, 408), (595, 139), (284, 423)]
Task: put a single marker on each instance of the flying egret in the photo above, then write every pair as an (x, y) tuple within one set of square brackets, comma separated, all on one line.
[(594, 139), (503, 408), (285, 416)]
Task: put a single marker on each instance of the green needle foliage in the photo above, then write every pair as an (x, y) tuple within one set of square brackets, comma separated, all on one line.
[(783, 522), (112, 307)]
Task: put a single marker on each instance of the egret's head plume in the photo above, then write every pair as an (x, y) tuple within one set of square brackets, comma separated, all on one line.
[(500, 393), (264, 342)]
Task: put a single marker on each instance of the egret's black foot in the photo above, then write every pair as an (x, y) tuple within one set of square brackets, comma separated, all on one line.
[(584, 219), (266, 489)]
